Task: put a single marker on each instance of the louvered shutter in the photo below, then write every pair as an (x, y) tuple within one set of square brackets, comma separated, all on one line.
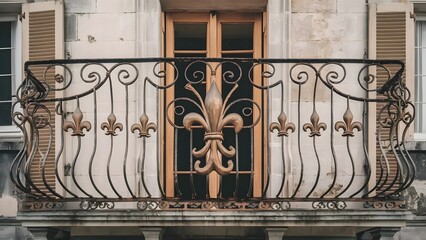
[(43, 39), (391, 35)]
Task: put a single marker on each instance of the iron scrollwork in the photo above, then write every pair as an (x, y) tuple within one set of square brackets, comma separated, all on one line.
[(316, 88)]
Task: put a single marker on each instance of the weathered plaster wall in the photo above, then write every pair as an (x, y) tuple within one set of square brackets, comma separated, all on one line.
[(328, 29), (318, 29)]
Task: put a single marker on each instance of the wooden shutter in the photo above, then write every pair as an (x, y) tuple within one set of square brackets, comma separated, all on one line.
[(43, 39), (391, 36)]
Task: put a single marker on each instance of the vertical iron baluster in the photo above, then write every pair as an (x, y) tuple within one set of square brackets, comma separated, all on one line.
[(175, 159), (219, 193), (386, 162), (191, 173), (268, 159), (367, 166), (314, 144), (351, 158), (28, 164), (284, 168), (74, 162), (393, 135), (378, 181), (411, 171), (43, 162), (237, 167), (250, 188), (95, 143), (126, 126), (19, 159), (111, 135), (14, 173), (282, 144), (333, 153), (352, 166), (108, 166), (157, 109), (398, 148), (298, 141), (142, 166), (207, 187)]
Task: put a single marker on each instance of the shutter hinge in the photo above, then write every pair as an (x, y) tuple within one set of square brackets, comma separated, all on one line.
[(413, 16), (21, 16)]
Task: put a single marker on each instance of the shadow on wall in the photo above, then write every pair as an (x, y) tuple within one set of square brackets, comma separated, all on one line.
[(6, 158), (6, 187)]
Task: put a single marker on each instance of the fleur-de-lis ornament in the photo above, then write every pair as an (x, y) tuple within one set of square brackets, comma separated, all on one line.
[(213, 122), (347, 125), (144, 126), (77, 125), (111, 126), (282, 126), (315, 126)]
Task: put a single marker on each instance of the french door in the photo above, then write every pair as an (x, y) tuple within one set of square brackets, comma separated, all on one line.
[(219, 35)]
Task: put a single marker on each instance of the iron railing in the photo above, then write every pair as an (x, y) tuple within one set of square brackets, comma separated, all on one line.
[(279, 133)]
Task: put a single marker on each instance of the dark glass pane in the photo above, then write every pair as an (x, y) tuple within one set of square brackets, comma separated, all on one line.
[(229, 185), (242, 108), (5, 88), (190, 36), (185, 106), (237, 36), (5, 117), (5, 34), (185, 155), (186, 189), (5, 61)]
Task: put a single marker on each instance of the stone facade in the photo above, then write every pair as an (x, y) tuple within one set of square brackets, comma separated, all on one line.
[(295, 29)]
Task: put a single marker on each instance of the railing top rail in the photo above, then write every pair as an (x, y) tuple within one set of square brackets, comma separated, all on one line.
[(259, 60)]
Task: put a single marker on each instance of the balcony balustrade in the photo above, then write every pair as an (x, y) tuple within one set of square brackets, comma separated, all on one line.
[(212, 134)]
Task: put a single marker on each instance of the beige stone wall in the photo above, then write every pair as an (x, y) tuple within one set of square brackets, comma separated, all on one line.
[(112, 29)]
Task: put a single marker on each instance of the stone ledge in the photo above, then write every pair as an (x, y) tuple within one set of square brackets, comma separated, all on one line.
[(363, 218)]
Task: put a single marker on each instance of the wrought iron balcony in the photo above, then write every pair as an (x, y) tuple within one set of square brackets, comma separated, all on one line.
[(199, 133)]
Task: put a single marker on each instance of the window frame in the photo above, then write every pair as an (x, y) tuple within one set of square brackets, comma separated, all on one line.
[(418, 136), (11, 132)]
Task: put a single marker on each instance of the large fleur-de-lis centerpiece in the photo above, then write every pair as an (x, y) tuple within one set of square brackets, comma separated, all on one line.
[(213, 121)]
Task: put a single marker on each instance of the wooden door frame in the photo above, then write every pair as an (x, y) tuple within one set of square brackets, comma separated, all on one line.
[(214, 21)]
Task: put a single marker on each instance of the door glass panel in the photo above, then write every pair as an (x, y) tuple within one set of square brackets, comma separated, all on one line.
[(185, 160), (245, 110), (237, 36), (190, 36)]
